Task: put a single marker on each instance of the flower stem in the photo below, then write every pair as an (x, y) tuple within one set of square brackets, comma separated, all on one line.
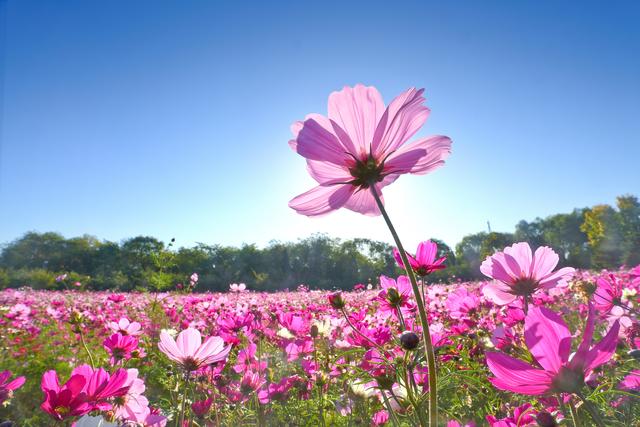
[(185, 389), (592, 410), (424, 321), (84, 344)]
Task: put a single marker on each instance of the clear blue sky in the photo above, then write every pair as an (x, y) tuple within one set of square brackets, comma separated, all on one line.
[(171, 118)]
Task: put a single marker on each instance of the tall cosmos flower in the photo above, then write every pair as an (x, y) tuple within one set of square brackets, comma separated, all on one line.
[(361, 144)]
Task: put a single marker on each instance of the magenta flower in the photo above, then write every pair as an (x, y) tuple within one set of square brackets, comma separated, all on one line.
[(425, 261), (7, 387), (549, 341), (68, 400), (189, 351), (100, 386), (608, 293), (518, 272), (120, 347), (360, 145)]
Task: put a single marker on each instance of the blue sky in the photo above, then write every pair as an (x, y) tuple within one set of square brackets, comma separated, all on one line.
[(171, 119)]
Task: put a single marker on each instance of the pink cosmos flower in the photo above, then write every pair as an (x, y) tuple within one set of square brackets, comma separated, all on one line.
[(7, 387), (360, 145), (133, 406), (237, 287), (100, 386), (189, 351), (608, 293), (425, 261), (549, 341), (518, 272), (125, 327), (120, 347), (68, 400)]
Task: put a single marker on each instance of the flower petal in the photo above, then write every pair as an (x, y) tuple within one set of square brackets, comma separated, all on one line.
[(517, 376), (321, 200), (168, 346), (547, 337), (420, 157), (189, 341), (362, 201), (604, 350), (521, 252), (317, 143), (544, 261), (498, 292), (357, 110), (402, 119)]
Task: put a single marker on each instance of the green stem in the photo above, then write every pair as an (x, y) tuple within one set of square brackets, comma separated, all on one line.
[(392, 414), (185, 388), (84, 344), (592, 410), (424, 321), (409, 386), (574, 415)]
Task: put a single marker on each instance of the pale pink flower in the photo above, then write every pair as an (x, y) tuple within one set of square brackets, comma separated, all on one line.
[(518, 272), (190, 352), (359, 145), (237, 287)]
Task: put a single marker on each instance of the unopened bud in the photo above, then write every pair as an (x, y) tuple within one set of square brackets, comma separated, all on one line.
[(336, 300), (409, 340)]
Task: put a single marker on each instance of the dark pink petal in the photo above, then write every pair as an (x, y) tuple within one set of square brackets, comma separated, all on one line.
[(15, 384), (321, 200), (357, 110), (426, 252), (604, 350), (419, 157), (579, 359), (547, 337), (50, 381), (517, 376), (404, 116)]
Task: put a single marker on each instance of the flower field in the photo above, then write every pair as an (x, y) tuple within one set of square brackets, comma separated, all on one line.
[(318, 358)]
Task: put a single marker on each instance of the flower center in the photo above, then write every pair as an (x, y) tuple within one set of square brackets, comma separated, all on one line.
[(365, 173), (524, 287), (190, 364), (568, 381)]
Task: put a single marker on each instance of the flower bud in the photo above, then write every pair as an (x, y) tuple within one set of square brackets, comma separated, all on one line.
[(336, 301), (409, 340), (545, 419), (314, 331), (394, 297)]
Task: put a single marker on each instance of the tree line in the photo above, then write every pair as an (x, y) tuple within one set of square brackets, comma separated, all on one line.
[(592, 238)]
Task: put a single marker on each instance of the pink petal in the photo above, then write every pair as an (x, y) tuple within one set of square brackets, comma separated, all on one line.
[(498, 292), (15, 384), (426, 252), (495, 268), (326, 173), (419, 157), (50, 381), (521, 252), (212, 345), (317, 143), (357, 110), (362, 201), (321, 200), (168, 346), (604, 350), (189, 341), (559, 277), (544, 261), (517, 376), (404, 116), (547, 337)]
